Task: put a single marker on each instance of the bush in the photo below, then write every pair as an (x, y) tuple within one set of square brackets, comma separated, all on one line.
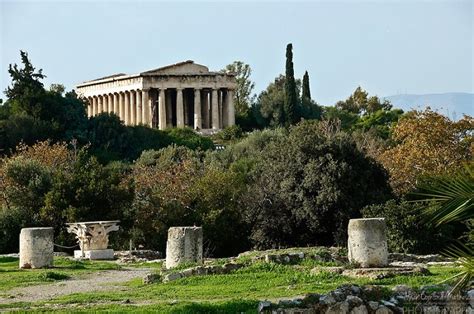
[(162, 182), (308, 186), (215, 198), (11, 222), (406, 231), (230, 133), (187, 137)]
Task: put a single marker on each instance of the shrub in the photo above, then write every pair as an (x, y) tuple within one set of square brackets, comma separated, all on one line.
[(230, 133), (406, 231), (187, 137), (308, 186)]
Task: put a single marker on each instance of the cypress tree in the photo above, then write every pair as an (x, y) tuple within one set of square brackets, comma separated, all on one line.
[(306, 94), (291, 100)]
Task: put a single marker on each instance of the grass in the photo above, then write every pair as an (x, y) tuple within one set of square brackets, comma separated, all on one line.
[(239, 291), (12, 277)]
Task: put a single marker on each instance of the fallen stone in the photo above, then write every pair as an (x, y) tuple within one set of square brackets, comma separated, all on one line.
[(373, 305), (403, 289), (151, 278), (263, 306), (187, 272), (361, 309), (383, 310), (200, 270), (354, 300), (338, 308), (229, 267), (311, 298), (470, 295), (172, 277), (327, 299), (384, 272), (333, 270)]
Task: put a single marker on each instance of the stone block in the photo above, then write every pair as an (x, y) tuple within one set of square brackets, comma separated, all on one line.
[(184, 245), (95, 254), (36, 247), (172, 277), (367, 243)]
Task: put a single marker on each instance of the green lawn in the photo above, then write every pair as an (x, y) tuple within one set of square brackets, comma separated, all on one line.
[(236, 292), (11, 276)]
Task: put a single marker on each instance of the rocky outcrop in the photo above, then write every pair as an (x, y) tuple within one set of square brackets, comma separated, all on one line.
[(352, 299)]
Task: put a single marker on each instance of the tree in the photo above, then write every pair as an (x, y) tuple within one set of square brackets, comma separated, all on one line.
[(308, 109), (291, 98), (271, 102), (360, 103), (163, 181), (243, 97), (26, 89), (308, 185), (32, 113), (427, 143), (306, 93)]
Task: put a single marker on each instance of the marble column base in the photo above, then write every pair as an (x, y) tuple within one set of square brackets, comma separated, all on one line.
[(95, 254)]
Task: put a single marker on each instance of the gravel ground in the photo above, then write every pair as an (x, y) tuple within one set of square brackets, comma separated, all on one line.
[(97, 281)]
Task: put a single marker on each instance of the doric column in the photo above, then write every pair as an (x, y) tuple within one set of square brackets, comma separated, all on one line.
[(110, 103), (121, 106), (104, 103), (230, 109), (94, 105), (221, 108), (99, 104), (205, 108), (116, 104), (89, 107), (139, 107), (127, 108), (215, 110), (145, 108), (162, 109), (225, 109), (133, 108), (197, 109), (179, 108)]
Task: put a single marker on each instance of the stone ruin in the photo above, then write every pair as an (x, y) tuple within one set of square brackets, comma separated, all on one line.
[(36, 247), (367, 242), (93, 238), (184, 245)]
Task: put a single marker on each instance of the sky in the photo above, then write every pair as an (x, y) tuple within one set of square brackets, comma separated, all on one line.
[(387, 47)]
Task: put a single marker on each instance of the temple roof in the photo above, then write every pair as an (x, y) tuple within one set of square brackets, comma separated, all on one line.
[(187, 67), (180, 68)]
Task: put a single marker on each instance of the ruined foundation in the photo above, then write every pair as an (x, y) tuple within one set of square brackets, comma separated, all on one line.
[(367, 243), (36, 247), (184, 245)]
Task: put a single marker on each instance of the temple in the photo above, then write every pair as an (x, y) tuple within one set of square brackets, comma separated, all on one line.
[(177, 95)]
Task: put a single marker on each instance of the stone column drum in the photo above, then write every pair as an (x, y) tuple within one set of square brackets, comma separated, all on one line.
[(184, 245), (36, 247), (367, 243)]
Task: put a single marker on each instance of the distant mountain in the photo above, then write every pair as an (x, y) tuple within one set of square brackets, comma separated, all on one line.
[(453, 105)]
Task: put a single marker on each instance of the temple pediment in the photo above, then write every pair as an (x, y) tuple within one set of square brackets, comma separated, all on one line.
[(181, 68)]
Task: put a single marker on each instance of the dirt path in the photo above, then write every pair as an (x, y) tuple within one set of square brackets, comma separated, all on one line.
[(98, 281)]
